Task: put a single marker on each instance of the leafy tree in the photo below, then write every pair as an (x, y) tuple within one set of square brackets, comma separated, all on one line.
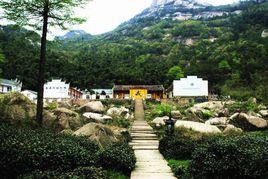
[(175, 73), (39, 14), (2, 57)]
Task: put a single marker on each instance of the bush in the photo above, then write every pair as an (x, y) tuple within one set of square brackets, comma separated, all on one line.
[(180, 145), (118, 156), (243, 107), (179, 148), (180, 168), (81, 172), (120, 122), (51, 106), (161, 110), (24, 150), (231, 157)]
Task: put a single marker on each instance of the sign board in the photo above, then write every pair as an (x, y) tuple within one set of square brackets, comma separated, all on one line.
[(190, 87)]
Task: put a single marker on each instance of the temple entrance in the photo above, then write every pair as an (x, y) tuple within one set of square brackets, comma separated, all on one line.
[(138, 93)]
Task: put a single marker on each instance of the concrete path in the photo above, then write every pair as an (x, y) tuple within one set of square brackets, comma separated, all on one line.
[(150, 163)]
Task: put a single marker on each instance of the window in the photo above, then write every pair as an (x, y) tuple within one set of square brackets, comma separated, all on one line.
[(9, 88)]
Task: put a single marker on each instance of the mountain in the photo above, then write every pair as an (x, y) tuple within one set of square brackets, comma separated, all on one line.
[(74, 34), (183, 10), (229, 51)]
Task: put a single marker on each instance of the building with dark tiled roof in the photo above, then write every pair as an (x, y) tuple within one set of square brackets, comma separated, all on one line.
[(138, 91), (10, 85)]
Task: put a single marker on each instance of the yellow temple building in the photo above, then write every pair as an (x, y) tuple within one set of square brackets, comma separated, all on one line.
[(138, 91)]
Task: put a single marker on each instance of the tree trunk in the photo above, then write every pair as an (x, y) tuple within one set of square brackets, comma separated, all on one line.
[(41, 78)]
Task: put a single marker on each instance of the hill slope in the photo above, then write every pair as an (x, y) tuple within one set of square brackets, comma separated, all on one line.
[(227, 50)]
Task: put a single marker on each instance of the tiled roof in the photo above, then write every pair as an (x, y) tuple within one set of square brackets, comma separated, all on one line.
[(148, 87), (10, 82)]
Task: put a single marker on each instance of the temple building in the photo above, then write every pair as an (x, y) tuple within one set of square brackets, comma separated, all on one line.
[(138, 91)]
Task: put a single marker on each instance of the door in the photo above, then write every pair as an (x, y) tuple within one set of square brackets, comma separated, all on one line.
[(138, 93)]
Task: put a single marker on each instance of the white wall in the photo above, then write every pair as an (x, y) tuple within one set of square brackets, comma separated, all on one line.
[(190, 86), (32, 96), (56, 89)]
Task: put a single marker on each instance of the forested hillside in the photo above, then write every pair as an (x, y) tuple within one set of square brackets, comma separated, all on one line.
[(229, 51)]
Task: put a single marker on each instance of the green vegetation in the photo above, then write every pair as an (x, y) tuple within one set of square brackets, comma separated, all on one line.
[(228, 51), (220, 156), (180, 168), (32, 153), (119, 121)]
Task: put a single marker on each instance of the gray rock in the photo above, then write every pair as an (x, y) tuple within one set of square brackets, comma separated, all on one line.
[(197, 126), (160, 121), (122, 111), (234, 116), (176, 114), (217, 121), (96, 117), (253, 121), (263, 113), (99, 133), (93, 106), (232, 129)]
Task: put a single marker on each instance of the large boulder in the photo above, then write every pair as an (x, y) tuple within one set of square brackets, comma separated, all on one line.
[(96, 117), (16, 108), (217, 121), (93, 106), (263, 113), (192, 117), (213, 108), (249, 122), (232, 129), (160, 121), (176, 114), (197, 126), (210, 105), (67, 119), (122, 111), (98, 133)]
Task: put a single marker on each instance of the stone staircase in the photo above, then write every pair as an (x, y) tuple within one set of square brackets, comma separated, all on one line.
[(150, 163)]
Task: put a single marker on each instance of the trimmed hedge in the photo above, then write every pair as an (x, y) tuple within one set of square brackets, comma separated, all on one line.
[(81, 172), (233, 157), (180, 145), (24, 150), (119, 156)]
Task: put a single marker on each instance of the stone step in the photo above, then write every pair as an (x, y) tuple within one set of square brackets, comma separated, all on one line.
[(143, 134), (152, 176), (142, 142), (145, 147), (144, 138)]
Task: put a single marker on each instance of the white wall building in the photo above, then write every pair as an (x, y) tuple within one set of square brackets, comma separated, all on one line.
[(98, 94), (32, 95), (190, 87), (56, 90), (10, 85)]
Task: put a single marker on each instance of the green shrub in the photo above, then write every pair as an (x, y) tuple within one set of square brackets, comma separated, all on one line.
[(181, 144), (81, 172), (119, 121), (119, 156), (207, 114), (231, 157), (51, 106), (161, 110), (243, 107), (179, 148), (24, 150), (180, 168)]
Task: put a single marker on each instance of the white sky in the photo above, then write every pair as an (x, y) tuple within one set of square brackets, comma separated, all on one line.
[(105, 15)]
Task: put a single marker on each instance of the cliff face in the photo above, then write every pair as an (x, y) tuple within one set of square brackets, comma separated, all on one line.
[(181, 10)]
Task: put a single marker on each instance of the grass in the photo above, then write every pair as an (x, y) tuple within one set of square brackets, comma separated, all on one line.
[(115, 174), (180, 168)]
